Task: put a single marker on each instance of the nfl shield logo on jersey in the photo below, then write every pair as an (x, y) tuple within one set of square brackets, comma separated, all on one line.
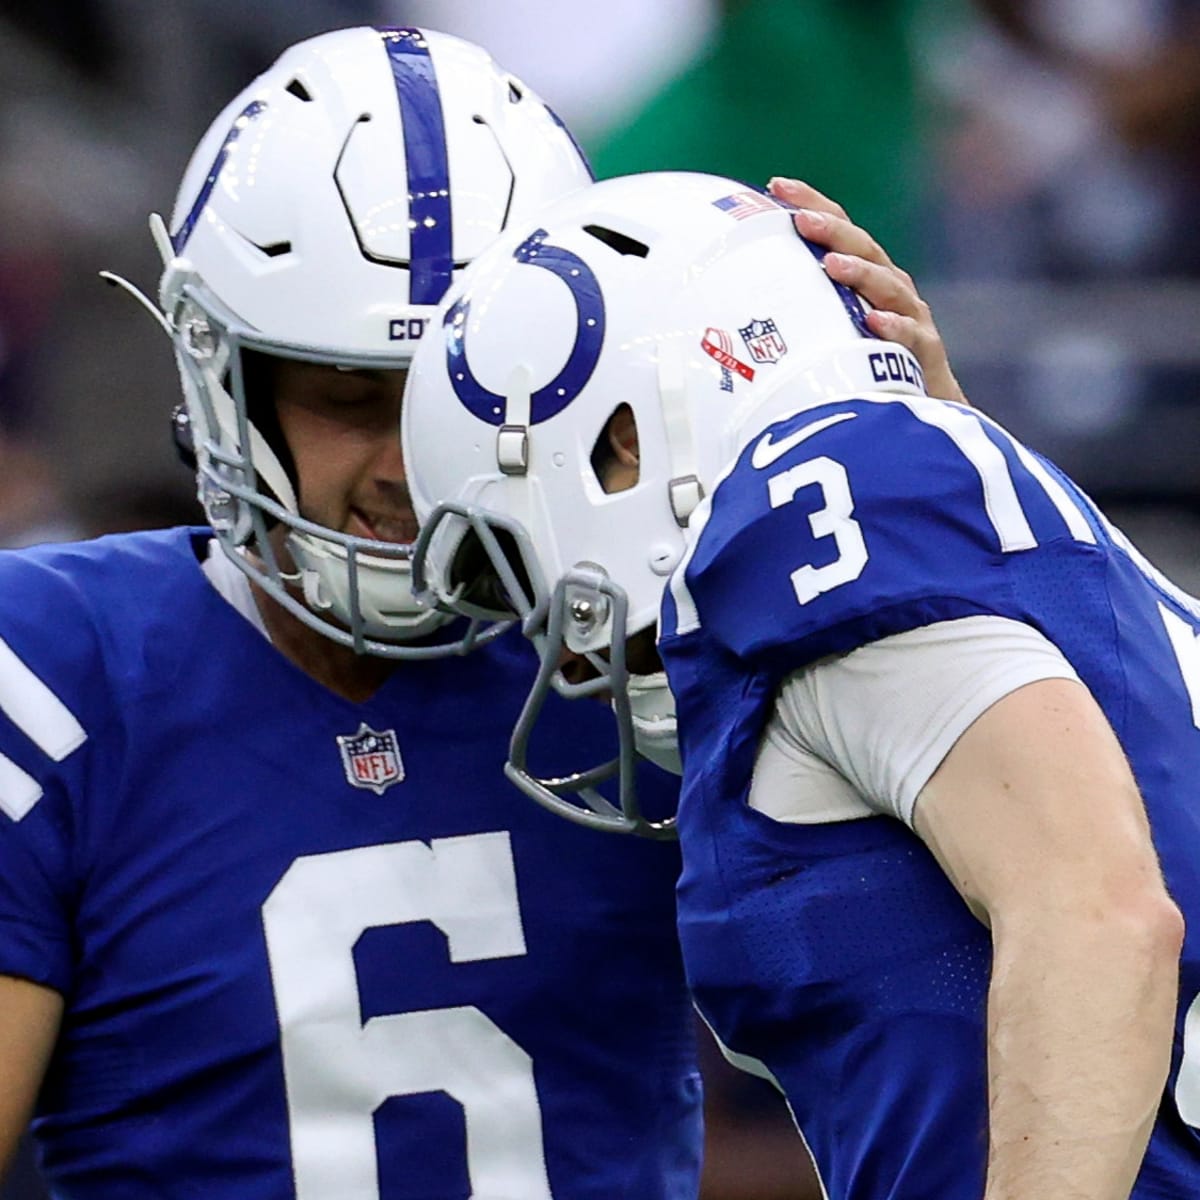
[(371, 760), (763, 341)]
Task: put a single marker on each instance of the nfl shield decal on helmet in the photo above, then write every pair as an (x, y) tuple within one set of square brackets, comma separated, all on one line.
[(371, 760), (763, 341)]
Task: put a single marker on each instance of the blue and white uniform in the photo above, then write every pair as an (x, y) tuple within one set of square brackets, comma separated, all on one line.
[(309, 947), (826, 946)]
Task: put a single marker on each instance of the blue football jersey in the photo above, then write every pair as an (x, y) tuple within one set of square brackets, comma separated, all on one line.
[(315, 948), (839, 956)]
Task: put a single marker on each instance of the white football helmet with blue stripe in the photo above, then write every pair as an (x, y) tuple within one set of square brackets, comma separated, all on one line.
[(322, 217)]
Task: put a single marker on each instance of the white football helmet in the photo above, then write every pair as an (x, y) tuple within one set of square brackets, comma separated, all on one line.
[(689, 298), (322, 217)]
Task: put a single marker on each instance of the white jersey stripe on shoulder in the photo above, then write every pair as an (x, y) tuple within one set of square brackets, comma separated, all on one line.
[(1187, 654), (1077, 524), (1072, 514), (35, 709), (19, 791), (999, 492)]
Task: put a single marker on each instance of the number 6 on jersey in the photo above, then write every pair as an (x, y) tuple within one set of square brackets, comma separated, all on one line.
[(339, 1069)]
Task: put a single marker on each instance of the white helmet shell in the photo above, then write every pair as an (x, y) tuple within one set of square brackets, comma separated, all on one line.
[(691, 299)]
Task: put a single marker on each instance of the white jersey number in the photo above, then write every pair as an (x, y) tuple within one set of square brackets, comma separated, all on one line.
[(834, 520), (340, 1069)]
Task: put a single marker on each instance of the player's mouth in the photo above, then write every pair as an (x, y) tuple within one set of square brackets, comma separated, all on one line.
[(383, 527)]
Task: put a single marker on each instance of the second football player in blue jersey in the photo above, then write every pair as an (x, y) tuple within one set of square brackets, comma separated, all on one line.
[(936, 719)]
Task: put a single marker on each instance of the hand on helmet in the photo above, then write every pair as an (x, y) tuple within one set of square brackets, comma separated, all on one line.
[(857, 260)]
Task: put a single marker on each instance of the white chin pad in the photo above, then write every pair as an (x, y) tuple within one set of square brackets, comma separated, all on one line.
[(652, 707), (387, 608)]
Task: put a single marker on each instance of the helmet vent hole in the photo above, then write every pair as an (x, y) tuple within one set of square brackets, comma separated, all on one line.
[(622, 243), (515, 95), (297, 89), (275, 249)]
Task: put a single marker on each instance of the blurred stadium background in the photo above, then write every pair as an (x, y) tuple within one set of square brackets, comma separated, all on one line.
[(1035, 163)]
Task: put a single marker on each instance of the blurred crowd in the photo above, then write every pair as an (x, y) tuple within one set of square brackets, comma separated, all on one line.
[(1036, 163)]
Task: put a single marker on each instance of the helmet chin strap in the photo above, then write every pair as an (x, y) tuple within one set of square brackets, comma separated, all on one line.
[(264, 459)]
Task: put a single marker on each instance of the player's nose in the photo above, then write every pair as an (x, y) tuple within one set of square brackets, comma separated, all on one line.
[(388, 463)]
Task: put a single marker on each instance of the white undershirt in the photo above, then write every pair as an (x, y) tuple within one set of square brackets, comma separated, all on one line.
[(858, 734), (233, 585)]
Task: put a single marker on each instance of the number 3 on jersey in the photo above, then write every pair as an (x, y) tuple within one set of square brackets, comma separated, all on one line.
[(338, 1069), (833, 519)]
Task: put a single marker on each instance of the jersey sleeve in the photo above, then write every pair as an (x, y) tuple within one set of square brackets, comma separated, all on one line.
[(850, 523), (51, 674)]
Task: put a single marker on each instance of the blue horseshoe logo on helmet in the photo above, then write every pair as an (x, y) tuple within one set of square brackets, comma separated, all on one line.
[(581, 362)]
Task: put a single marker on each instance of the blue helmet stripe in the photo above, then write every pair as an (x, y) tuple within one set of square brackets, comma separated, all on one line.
[(431, 259), (583, 158), (179, 238)]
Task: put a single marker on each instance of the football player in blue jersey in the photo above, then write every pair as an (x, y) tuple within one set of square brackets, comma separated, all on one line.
[(271, 922), (936, 718)]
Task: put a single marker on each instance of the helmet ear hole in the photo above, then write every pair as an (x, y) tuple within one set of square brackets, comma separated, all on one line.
[(615, 458)]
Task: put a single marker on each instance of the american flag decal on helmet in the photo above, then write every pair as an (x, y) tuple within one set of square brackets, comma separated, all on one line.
[(742, 205), (371, 759)]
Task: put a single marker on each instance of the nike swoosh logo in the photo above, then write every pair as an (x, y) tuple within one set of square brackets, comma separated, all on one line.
[(767, 451)]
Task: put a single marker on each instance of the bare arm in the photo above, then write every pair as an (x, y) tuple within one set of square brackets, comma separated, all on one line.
[(859, 261), (1036, 818), (29, 1019)]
